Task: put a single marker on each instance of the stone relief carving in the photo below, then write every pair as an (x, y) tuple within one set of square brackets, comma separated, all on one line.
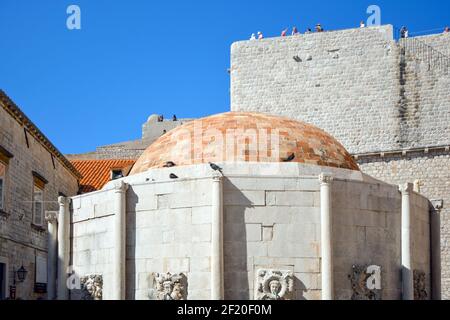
[(51, 216), (170, 286), (420, 291), (274, 285), (92, 287), (366, 282)]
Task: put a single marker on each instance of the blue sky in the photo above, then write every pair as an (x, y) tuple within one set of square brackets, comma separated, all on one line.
[(97, 85)]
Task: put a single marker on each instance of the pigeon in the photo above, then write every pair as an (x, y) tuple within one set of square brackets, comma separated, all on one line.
[(290, 158), (169, 164), (215, 167), (173, 176)]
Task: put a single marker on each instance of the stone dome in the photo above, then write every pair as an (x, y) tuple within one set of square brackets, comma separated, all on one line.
[(249, 137)]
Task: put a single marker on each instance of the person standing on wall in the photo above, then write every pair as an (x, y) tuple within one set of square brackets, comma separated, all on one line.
[(404, 32)]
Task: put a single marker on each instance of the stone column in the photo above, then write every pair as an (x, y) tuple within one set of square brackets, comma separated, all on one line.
[(217, 287), (63, 247), (52, 260), (326, 237), (435, 231), (119, 267), (407, 268)]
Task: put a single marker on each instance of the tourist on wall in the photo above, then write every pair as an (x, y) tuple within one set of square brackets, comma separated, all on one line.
[(284, 32), (260, 35), (174, 118), (253, 37), (308, 31), (404, 33), (319, 28), (447, 30), (362, 24), (295, 31)]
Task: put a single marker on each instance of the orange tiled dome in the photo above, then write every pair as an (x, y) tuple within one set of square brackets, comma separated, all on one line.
[(250, 137)]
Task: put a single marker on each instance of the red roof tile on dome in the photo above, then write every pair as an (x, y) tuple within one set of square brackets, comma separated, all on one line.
[(97, 173), (195, 143)]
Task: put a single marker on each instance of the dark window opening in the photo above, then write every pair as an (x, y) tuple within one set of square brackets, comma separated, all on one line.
[(26, 137), (116, 174)]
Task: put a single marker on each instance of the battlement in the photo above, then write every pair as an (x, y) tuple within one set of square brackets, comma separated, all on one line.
[(386, 31)]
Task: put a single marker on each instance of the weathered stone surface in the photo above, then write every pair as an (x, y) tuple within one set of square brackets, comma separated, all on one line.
[(170, 287), (21, 242), (350, 96)]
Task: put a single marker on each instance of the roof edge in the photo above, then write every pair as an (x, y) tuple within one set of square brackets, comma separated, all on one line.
[(23, 120)]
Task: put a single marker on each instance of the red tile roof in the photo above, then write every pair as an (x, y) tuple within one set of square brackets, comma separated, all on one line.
[(97, 173)]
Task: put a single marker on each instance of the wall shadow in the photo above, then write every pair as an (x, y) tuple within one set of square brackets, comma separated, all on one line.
[(236, 273), (131, 200)]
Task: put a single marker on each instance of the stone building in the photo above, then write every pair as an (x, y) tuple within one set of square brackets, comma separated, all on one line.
[(247, 206), (152, 129), (33, 173), (387, 101)]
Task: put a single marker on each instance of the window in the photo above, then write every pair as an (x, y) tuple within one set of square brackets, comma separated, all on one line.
[(5, 157), (2, 185), (38, 199), (38, 206)]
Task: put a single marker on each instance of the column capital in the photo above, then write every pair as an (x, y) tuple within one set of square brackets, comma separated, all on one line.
[(438, 205), (217, 177), (325, 178), (406, 188), (63, 201), (51, 217), (120, 187)]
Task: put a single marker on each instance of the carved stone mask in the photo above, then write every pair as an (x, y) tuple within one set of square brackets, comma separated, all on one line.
[(275, 287)]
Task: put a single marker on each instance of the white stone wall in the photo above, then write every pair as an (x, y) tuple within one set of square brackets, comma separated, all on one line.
[(172, 234), (168, 230), (421, 244), (367, 231), (440, 42), (345, 75), (432, 170), (354, 76), (92, 239), (20, 243), (271, 221), (352, 84)]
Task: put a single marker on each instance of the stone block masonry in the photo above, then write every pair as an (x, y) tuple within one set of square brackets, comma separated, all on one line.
[(350, 83), (22, 243), (385, 105)]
